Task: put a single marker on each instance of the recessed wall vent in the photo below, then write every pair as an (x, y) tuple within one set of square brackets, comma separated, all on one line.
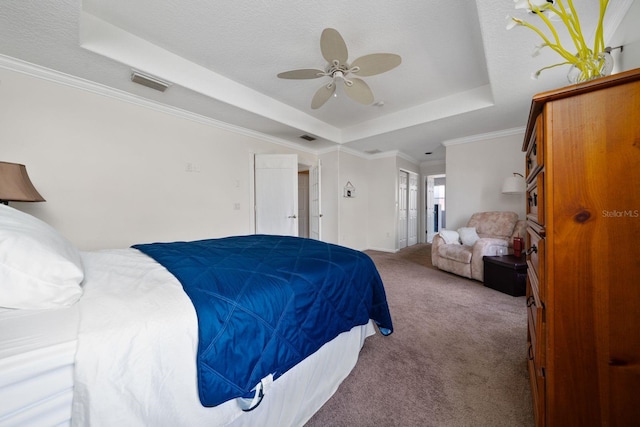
[(307, 137), (149, 81)]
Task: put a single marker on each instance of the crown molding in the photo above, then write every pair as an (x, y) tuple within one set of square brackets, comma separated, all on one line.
[(367, 156), (484, 136)]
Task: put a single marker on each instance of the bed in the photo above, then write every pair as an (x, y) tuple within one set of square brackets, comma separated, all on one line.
[(119, 339)]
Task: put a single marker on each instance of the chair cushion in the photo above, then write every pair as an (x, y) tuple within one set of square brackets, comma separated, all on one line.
[(455, 252), (494, 224), (450, 236), (468, 235)]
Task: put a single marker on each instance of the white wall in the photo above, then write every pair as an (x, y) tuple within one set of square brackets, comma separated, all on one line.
[(367, 221), (330, 196), (114, 173), (433, 168), (628, 36), (354, 213), (475, 172), (383, 183)]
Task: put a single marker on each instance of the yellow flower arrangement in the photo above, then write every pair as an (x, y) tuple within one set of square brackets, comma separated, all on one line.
[(589, 61)]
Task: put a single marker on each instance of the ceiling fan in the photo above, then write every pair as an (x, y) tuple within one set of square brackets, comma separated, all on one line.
[(334, 51)]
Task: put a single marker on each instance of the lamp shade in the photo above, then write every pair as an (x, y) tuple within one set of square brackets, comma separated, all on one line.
[(514, 185), (15, 185)]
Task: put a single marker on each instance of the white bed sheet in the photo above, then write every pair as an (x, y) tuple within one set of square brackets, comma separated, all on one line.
[(137, 343), (37, 350)]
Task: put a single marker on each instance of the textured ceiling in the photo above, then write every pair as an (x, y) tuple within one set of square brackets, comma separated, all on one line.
[(462, 74)]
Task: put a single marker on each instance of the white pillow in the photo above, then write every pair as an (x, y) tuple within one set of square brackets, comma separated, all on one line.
[(39, 268), (449, 236), (468, 235)]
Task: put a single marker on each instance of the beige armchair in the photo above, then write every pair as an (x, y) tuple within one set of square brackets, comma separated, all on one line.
[(487, 233)]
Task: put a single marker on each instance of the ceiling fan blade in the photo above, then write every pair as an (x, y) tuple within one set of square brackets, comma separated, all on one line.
[(322, 95), (359, 91), (333, 46), (376, 63), (307, 73)]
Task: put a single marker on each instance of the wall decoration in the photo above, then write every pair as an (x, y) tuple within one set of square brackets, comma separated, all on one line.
[(349, 190)]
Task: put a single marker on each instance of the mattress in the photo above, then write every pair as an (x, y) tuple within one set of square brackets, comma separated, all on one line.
[(37, 349), (44, 383), (137, 345)]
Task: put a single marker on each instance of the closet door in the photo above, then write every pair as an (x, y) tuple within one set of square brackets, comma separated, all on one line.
[(412, 210), (403, 212)]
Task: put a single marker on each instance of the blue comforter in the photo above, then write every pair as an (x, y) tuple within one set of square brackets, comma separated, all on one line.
[(264, 303)]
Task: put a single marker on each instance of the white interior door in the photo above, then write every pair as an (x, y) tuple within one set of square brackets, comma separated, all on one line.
[(403, 179), (412, 210), (276, 193), (315, 205)]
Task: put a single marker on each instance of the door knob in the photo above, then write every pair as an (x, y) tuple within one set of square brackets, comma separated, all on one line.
[(292, 216)]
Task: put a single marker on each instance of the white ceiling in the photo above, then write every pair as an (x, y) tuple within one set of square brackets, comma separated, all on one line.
[(462, 73)]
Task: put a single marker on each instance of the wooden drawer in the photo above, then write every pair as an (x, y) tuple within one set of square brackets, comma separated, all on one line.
[(535, 320), (532, 317), (535, 199), (537, 393), (535, 147), (535, 260)]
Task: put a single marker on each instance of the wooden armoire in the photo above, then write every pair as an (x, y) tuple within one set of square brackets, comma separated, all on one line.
[(582, 147)]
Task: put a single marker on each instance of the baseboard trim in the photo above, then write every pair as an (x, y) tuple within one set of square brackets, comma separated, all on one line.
[(391, 251)]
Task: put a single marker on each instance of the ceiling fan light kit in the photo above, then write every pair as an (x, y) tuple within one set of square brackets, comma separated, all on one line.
[(334, 51)]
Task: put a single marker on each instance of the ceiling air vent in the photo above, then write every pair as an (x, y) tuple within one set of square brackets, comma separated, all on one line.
[(149, 81), (307, 137), (375, 151)]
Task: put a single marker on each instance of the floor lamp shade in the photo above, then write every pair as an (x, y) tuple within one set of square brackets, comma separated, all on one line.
[(15, 185), (514, 185)]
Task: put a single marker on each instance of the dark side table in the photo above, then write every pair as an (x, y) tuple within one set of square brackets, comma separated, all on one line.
[(506, 273)]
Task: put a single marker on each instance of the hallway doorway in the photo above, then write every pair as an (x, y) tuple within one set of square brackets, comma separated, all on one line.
[(435, 211)]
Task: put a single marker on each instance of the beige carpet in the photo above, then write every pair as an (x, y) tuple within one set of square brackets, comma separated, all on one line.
[(457, 356)]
